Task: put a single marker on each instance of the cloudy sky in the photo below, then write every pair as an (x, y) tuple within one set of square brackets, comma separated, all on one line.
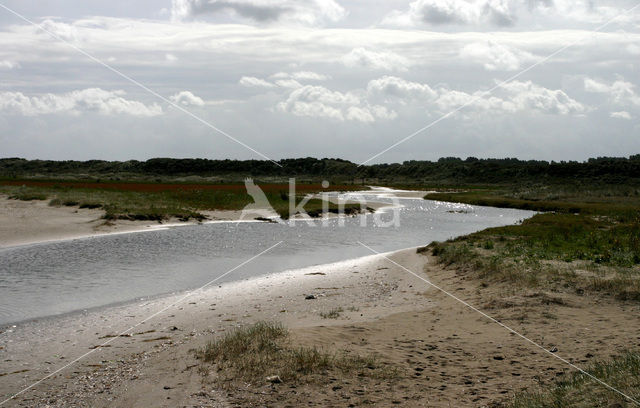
[(321, 78)]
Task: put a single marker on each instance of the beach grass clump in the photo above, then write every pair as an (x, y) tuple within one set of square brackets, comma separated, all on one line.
[(578, 390), (264, 349), (28, 196), (90, 205), (332, 314)]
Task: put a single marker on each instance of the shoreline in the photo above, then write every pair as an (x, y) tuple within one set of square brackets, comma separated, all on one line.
[(29, 343), (24, 223), (385, 310), (168, 296)]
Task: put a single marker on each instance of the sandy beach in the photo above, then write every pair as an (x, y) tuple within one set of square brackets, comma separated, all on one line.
[(445, 353), (29, 222)]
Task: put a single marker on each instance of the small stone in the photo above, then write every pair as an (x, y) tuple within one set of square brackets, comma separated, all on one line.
[(309, 297), (166, 387), (553, 349)]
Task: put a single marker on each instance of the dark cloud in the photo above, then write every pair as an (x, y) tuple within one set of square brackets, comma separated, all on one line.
[(262, 13)]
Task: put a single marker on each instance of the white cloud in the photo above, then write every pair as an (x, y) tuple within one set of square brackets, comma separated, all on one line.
[(621, 115), (283, 80), (309, 76), (90, 99), (170, 57), (633, 49), (450, 100), (620, 92), (438, 12), (288, 83), (250, 81), (318, 101), (512, 97), (306, 12), (525, 95), (187, 98), (435, 73), (67, 32), (515, 96), (301, 76), (494, 56), (391, 86), (505, 13), (6, 64), (388, 61)]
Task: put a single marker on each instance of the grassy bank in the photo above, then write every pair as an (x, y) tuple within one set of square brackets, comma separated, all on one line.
[(155, 201), (586, 243), (578, 390)]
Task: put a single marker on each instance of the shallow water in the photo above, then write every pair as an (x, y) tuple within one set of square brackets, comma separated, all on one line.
[(60, 277)]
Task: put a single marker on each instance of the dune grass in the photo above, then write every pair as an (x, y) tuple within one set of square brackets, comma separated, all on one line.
[(162, 204), (332, 314), (590, 242), (576, 390), (262, 350), (586, 242)]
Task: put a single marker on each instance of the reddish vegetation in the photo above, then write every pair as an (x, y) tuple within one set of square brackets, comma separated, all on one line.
[(157, 187)]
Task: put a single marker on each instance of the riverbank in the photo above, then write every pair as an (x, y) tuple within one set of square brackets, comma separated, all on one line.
[(442, 352), (35, 221)]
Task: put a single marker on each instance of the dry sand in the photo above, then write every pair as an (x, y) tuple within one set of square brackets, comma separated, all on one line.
[(447, 354), (28, 222)]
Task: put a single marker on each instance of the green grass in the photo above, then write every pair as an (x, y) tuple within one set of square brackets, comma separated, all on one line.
[(576, 390), (264, 349), (591, 242), (619, 201), (28, 196), (161, 205)]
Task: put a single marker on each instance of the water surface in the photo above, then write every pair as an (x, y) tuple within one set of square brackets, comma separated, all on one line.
[(59, 277)]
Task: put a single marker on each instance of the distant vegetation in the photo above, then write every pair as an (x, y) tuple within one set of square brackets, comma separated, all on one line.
[(445, 171)]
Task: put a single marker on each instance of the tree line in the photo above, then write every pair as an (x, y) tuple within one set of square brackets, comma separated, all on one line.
[(446, 170)]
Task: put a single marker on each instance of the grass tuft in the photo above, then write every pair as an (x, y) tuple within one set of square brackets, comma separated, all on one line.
[(255, 352), (332, 314), (578, 390)]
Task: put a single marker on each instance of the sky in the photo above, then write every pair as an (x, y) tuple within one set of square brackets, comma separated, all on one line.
[(253, 79)]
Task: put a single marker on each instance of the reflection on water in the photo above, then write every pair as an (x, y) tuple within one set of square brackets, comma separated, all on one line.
[(59, 277)]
